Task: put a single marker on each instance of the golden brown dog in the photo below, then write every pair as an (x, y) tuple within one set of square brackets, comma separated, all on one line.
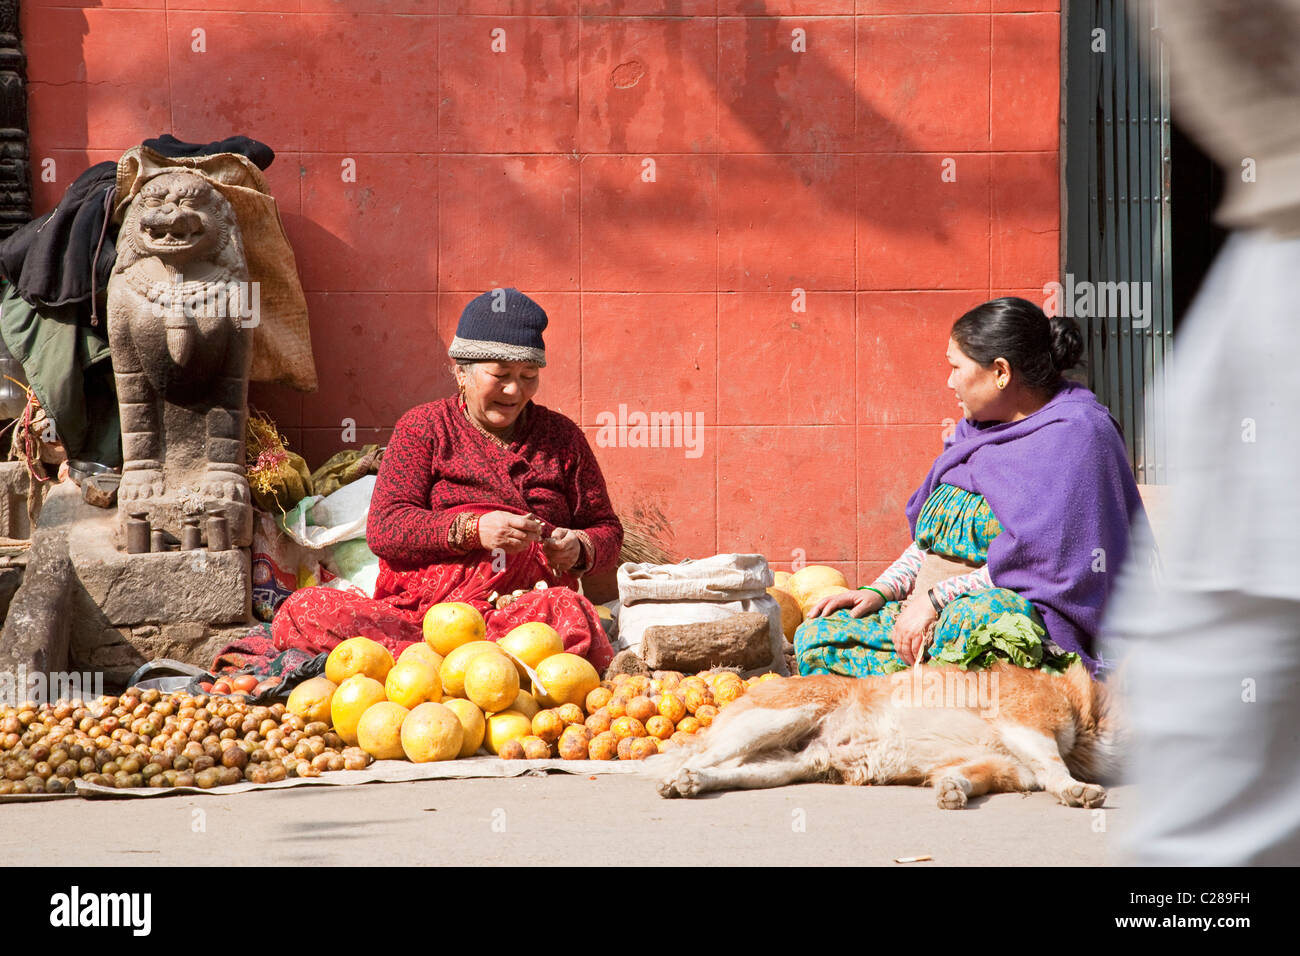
[(963, 733)]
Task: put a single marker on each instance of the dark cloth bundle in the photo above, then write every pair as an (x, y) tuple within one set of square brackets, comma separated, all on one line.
[(50, 259)]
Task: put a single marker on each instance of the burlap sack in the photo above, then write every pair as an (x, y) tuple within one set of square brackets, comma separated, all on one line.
[(282, 339), (697, 592)]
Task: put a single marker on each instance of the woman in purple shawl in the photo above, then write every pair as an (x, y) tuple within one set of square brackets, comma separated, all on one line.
[(1019, 529)]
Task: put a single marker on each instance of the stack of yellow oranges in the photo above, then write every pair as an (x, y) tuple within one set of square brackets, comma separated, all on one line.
[(522, 697)]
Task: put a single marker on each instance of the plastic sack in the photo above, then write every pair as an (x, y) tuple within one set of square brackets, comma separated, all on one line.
[(318, 523), (697, 592)]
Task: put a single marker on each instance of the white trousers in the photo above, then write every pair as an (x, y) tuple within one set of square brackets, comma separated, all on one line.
[(1210, 661)]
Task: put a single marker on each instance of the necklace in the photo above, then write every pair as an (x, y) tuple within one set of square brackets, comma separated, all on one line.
[(502, 441)]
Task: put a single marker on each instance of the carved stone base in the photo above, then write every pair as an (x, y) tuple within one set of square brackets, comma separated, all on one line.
[(169, 587), (169, 514), (84, 605)]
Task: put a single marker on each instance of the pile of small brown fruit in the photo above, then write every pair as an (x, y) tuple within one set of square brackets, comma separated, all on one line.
[(145, 738)]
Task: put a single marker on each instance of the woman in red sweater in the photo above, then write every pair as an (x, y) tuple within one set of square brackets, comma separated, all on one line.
[(481, 492)]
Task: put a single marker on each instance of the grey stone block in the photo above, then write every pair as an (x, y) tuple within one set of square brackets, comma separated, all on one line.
[(167, 587)]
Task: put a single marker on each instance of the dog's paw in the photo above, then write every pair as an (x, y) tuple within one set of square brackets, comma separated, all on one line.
[(951, 795), (687, 783), (1087, 795)]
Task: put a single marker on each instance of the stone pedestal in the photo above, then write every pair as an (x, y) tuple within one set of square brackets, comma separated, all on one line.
[(85, 606)]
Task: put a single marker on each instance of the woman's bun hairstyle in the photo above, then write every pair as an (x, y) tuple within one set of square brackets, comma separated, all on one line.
[(1038, 349), (1067, 342)]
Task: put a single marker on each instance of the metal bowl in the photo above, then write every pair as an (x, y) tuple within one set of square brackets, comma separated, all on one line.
[(79, 471)]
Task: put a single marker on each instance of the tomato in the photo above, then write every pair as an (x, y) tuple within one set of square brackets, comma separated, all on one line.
[(206, 686), (243, 683), (221, 687)]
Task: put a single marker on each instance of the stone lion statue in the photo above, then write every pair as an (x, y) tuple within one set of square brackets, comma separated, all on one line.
[(181, 312)]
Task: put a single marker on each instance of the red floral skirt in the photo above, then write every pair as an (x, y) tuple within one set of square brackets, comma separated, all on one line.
[(316, 619)]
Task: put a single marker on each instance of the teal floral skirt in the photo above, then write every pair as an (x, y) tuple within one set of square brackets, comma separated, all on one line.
[(952, 522)]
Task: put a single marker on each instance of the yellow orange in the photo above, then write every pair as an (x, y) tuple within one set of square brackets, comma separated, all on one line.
[(526, 704), (352, 699), (433, 732), (806, 580), (422, 652), (379, 732), (358, 655), (310, 700), (812, 597), (471, 722), (781, 579), (567, 679), (491, 681), (453, 667), (504, 726), (531, 643), (413, 682), (449, 625), (791, 612)]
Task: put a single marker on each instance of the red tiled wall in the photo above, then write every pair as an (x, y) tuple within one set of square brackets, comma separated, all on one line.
[(775, 170)]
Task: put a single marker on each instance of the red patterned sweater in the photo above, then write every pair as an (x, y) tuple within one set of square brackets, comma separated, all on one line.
[(437, 460)]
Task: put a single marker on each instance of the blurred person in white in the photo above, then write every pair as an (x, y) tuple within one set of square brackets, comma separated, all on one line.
[(1213, 653)]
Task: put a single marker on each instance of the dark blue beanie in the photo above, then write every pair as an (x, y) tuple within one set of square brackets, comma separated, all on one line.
[(501, 325)]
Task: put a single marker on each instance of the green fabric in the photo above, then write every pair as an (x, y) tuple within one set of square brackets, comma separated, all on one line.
[(973, 630), (68, 367)]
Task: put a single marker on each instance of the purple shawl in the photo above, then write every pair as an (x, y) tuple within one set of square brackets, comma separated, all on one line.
[(1060, 484)]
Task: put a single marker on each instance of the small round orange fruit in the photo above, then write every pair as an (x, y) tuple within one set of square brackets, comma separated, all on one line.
[(603, 746), (573, 743), (643, 747), (659, 726), (641, 708), (705, 714), (697, 697), (548, 725), (511, 750), (599, 722), (689, 725), (625, 748), (628, 727), (535, 748), (672, 707), (616, 706), (597, 699), (570, 713)]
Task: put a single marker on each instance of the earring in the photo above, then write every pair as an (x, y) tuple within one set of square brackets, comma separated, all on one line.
[(1002, 385)]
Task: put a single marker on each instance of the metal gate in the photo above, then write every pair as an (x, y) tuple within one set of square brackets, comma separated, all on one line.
[(1117, 214)]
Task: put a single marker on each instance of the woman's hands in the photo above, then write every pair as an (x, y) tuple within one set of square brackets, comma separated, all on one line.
[(510, 532), (861, 604), (912, 627), (563, 549), (513, 533)]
